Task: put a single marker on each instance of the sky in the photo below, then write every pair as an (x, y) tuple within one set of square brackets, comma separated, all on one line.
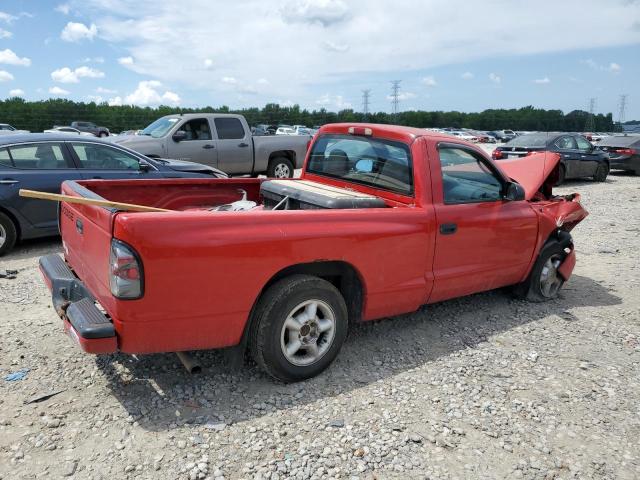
[(466, 56)]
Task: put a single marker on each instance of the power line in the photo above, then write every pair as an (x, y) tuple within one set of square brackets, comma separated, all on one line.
[(590, 124), (395, 97), (365, 104)]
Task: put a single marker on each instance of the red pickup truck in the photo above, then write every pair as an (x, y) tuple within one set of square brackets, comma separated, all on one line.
[(384, 219)]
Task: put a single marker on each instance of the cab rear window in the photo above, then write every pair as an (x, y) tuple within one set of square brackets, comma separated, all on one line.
[(378, 163)]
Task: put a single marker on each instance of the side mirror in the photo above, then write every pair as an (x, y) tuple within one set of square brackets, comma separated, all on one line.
[(144, 167), (514, 192), (179, 136)]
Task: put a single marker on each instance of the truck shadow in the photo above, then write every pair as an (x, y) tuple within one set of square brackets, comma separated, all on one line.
[(160, 395)]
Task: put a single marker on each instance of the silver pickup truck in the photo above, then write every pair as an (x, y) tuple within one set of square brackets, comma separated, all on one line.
[(223, 141)]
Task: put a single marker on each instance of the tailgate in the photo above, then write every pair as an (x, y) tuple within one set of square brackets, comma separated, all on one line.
[(86, 238)]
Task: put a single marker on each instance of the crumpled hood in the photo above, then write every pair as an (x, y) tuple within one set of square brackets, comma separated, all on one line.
[(533, 171)]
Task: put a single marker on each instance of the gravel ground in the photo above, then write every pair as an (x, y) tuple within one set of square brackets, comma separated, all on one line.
[(481, 387)]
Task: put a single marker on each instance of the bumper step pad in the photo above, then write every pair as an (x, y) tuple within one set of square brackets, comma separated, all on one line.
[(88, 321)]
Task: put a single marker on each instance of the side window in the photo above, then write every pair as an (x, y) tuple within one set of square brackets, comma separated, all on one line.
[(197, 129), (566, 143), (5, 159), (100, 157), (583, 144), (466, 178), (229, 128), (38, 155)]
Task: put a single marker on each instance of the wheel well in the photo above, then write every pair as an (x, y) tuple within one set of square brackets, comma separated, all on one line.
[(15, 222), (291, 155)]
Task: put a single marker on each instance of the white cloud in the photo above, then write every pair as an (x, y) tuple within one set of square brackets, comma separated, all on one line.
[(10, 58), (63, 8), (59, 91), (75, 32), (16, 92), (467, 76), (323, 12), (125, 61), (115, 101), (147, 94), (95, 98), (93, 60), (333, 101), (5, 76), (542, 81), (229, 80), (335, 47), (495, 78), (614, 67), (66, 75), (5, 33), (430, 81), (208, 63), (105, 90), (262, 81), (403, 96), (6, 17)]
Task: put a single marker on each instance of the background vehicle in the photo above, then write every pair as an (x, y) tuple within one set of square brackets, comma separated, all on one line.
[(261, 130), (503, 135), (285, 131), (43, 161), (68, 130), (579, 158), (466, 136), (624, 152), (222, 141), (91, 128), (383, 220), (6, 129)]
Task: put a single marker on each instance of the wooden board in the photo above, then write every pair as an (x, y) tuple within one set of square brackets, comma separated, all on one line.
[(89, 201)]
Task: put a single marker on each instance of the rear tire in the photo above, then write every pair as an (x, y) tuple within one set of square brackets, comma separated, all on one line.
[(543, 282), (562, 175), (280, 167), (299, 326), (8, 234), (601, 173), (103, 134)]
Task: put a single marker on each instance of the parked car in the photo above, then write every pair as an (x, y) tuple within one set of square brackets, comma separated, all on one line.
[(579, 158), (91, 128), (383, 220), (624, 152), (503, 135), (68, 130), (259, 130), (43, 161), (461, 134), (222, 141), (285, 131), (6, 129)]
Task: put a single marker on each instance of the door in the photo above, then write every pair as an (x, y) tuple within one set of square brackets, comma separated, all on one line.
[(587, 158), (568, 149), (235, 146), (198, 144), (482, 241), (97, 160), (35, 166)]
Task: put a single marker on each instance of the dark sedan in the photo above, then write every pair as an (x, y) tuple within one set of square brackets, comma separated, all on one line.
[(578, 157), (623, 151), (44, 161)]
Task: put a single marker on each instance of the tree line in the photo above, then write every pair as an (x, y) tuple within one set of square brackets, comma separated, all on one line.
[(43, 114)]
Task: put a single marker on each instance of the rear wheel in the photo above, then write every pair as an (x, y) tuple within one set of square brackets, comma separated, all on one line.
[(544, 282), (103, 134), (300, 324), (8, 234), (280, 167), (562, 174), (601, 172)]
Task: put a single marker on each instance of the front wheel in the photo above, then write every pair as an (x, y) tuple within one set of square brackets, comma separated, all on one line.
[(103, 134), (544, 282), (601, 172), (299, 326), (280, 167)]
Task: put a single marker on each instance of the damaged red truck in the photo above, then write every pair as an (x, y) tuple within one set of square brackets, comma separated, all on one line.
[(384, 219)]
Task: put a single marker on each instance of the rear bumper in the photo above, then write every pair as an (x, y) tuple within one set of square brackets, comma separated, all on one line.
[(73, 303), (628, 164)]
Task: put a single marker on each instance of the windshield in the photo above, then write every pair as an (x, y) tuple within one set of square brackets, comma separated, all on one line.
[(382, 164), (160, 127), (535, 140)]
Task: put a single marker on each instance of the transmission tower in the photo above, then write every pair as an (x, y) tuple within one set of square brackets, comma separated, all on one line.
[(395, 97), (590, 124), (623, 107), (365, 104)]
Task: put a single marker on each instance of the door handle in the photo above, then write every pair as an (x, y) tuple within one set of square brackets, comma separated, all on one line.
[(243, 144), (448, 228), (79, 226), (8, 181), (97, 178), (208, 146)]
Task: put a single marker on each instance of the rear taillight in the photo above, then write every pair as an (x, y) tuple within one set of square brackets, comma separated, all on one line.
[(625, 151), (496, 154), (126, 278)]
